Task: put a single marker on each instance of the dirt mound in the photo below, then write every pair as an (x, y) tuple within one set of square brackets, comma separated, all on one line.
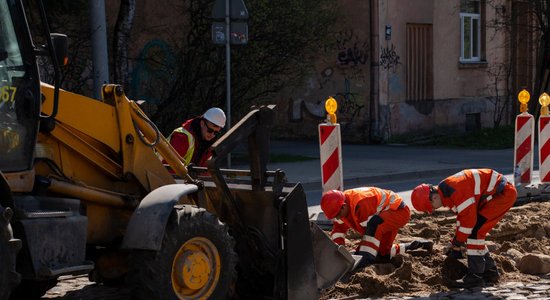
[(524, 229)]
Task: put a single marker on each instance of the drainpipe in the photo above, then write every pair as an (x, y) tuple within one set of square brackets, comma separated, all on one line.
[(374, 130)]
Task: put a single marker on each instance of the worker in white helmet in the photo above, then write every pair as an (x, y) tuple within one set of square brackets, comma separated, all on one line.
[(195, 136)]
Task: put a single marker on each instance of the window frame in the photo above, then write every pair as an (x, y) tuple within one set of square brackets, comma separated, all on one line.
[(471, 16)]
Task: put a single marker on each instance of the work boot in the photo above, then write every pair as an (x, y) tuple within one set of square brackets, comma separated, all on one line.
[(491, 275), (470, 280)]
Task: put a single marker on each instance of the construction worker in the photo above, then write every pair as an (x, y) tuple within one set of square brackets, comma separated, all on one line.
[(195, 136), (376, 214), (479, 198)]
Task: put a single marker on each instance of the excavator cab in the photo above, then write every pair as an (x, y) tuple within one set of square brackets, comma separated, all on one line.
[(19, 91)]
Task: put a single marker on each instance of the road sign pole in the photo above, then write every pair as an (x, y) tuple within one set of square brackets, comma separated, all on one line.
[(228, 69), (229, 10)]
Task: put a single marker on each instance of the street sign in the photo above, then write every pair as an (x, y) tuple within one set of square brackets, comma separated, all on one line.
[(237, 10), (238, 33), (218, 33)]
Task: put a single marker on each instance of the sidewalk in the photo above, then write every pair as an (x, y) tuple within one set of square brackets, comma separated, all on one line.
[(384, 163)]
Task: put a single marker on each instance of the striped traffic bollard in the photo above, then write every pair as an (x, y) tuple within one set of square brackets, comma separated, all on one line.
[(544, 143), (331, 157), (524, 143), (523, 154), (544, 149)]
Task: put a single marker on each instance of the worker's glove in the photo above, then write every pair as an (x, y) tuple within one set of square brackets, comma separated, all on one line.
[(366, 259), (455, 249), (455, 253)]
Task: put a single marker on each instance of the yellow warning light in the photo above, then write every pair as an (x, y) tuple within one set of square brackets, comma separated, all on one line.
[(331, 106), (523, 98), (544, 100)]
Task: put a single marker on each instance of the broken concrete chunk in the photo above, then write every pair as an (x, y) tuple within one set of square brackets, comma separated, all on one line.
[(534, 263)]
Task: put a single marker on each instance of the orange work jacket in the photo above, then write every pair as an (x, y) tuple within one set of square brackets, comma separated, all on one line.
[(364, 203), (467, 191)]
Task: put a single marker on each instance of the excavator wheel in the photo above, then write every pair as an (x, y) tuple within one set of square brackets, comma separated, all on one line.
[(196, 261), (8, 253)]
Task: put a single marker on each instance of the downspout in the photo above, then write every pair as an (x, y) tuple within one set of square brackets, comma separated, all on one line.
[(374, 134)]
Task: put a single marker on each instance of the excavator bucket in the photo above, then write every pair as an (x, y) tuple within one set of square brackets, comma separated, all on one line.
[(331, 261)]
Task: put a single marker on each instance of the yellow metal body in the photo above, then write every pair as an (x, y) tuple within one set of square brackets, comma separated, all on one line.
[(106, 152)]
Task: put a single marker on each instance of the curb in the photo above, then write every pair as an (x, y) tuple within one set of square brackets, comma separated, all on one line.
[(384, 178)]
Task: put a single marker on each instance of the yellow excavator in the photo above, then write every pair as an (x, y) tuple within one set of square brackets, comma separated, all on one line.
[(83, 191)]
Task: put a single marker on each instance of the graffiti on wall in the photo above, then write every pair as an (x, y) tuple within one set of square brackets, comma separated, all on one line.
[(389, 58), (351, 55), (299, 107), (346, 64), (152, 73), (348, 105), (354, 55)]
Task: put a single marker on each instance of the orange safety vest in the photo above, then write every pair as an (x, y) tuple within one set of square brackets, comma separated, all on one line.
[(364, 203), (466, 192)]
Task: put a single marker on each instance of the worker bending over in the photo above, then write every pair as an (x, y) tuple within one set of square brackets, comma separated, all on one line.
[(479, 198), (376, 214)]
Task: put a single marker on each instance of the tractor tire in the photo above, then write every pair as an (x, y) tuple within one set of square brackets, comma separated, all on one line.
[(8, 253), (197, 260)]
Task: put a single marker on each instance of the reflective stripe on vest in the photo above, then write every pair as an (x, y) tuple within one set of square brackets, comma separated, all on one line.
[(191, 139)]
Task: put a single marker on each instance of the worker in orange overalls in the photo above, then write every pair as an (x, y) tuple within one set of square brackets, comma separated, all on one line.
[(376, 214), (479, 198)]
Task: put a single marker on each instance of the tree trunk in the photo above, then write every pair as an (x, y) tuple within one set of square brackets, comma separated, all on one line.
[(123, 27)]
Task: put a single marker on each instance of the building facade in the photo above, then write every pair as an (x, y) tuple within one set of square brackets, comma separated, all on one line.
[(412, 68), (397, 68)]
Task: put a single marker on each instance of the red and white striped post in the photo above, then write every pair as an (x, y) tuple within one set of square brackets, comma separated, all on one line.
[(524, 143), (330, 143), (544, 142)]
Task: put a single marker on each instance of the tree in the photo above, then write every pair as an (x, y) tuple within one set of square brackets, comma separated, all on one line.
[(528, 28), (66, 16), (530, 25), (284, 37), (121, 34)]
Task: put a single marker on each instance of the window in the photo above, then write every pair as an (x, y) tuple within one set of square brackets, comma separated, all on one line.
[(470, 31), (18, 81)]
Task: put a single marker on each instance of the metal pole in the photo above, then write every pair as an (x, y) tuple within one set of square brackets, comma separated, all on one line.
[(228, 69), (99, 45)]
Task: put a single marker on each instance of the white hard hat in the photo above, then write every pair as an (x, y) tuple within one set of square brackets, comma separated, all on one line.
[(216, 116)]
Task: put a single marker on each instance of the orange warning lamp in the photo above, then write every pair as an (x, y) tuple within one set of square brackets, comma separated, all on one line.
[(544, 100), (331, 106), (523, 98)]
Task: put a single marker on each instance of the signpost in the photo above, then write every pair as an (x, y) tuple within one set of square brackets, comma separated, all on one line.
[(228, 33)]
